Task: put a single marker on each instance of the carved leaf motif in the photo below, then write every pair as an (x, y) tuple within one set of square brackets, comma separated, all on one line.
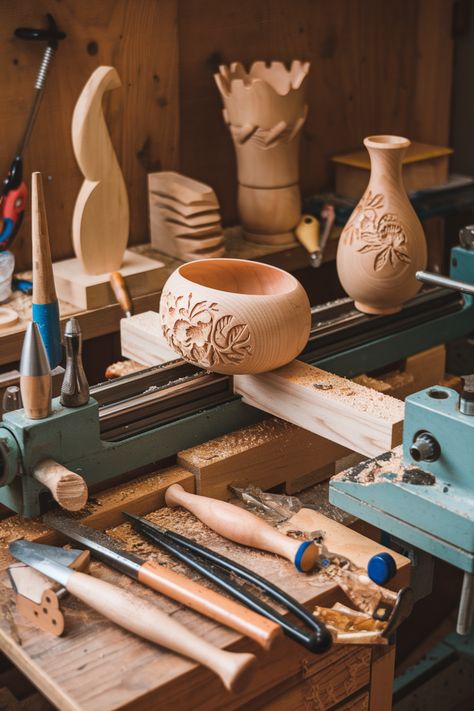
[(403, 256), (381, 259), (238, 337), (220, 337)]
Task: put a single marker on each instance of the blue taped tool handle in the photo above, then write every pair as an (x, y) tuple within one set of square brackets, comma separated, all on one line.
[(47, 318), (381, 568), (300, 553)]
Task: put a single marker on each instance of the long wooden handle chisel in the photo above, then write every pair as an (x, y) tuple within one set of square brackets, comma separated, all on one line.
[(137, 615), (166, 581), (243, 527)]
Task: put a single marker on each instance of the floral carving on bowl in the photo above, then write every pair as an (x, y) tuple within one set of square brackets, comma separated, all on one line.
[(199, 333)]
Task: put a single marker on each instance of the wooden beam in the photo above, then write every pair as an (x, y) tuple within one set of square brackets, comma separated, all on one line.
[(266, 454), (141, 339), (345, 412)]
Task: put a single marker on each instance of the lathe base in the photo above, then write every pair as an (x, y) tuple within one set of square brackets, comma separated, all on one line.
[(410, 504)]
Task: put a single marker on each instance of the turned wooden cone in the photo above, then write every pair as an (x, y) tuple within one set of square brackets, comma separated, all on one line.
[(383, 245)]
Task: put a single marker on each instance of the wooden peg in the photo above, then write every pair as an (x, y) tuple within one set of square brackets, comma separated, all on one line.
[(68, 488)]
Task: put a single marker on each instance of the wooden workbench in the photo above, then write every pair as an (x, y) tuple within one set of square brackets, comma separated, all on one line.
[(97, 666)]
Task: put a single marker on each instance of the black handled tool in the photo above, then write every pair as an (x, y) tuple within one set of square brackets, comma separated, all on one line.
[(317, 640)]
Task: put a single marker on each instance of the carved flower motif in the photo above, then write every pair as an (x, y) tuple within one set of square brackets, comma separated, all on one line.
[(196, 332), (388, 241), (364, 217)]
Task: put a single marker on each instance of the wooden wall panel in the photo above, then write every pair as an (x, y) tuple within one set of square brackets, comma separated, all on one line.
[(377, 67), (138, 37)]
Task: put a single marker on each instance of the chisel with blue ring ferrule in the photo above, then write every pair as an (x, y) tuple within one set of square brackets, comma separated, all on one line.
[(243, 527)]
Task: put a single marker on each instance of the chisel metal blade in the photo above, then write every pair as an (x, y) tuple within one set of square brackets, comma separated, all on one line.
[(47, 559), (103, 547)]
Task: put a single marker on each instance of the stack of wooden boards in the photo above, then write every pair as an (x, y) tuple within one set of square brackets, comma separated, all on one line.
[(185, 221)]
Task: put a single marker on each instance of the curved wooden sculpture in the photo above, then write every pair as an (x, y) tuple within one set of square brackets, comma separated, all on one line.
[(101, 217)]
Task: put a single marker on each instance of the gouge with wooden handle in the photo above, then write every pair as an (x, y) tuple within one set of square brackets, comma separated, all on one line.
[(243, 527), (166, 581), (136, 615)]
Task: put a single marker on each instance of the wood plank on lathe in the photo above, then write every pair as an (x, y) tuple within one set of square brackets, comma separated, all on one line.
[(142, 340), (336, 408), (266, 454)]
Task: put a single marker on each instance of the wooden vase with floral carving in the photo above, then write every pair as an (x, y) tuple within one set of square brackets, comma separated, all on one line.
[(383, 245)]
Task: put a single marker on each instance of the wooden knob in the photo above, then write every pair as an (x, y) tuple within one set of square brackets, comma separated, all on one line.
[(68, 489)]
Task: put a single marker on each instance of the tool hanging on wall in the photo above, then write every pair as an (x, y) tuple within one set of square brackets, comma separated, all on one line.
[(216, 567), (14, 192)]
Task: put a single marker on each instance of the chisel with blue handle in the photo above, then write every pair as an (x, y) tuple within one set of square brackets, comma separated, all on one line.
[(45, 309)]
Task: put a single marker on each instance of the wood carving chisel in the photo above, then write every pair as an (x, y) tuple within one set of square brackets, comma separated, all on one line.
[(212, 566), (176, 586), (122, 293), (136, 614), (243, 527), (45, 308)]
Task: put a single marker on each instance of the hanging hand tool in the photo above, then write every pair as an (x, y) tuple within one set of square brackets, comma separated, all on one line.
[(45, 308), (163, 580), (211, 565), (13, 194), (243, 527), (135, 614), (122, 293)]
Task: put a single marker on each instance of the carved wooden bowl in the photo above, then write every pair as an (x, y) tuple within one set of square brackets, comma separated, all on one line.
[(235, 316)]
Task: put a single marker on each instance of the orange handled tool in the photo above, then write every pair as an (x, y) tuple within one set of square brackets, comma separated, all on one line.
[(176, 586)]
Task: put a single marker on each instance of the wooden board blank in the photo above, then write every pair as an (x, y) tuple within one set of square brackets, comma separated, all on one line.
[(142, 340), (352, 415)]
